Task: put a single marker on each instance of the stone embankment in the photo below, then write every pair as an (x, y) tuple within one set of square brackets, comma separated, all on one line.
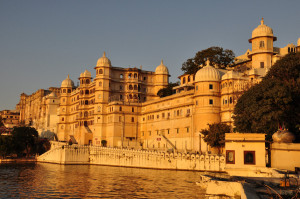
[(133, 158)]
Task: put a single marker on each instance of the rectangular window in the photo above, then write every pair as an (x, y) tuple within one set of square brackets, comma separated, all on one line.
[(230, 157), (211, 101), (249, 157), (168, 130), (177, 130), (262, 64), (149, 133), (211, 86), (187, 129)]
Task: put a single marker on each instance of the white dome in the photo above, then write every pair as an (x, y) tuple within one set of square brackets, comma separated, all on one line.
[(161, 69), (67, 83), (298, 42), (103, 61), (86, 73), (262, 30), (207, 73)]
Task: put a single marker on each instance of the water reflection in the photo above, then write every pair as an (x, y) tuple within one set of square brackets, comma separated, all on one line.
[(87, 181)]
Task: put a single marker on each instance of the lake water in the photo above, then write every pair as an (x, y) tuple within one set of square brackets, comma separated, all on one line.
[(44, 180)]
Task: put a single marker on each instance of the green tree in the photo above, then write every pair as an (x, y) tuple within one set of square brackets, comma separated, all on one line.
[(5, 145), (24, 139), (168, 90), (275, 100), (214, 136), (217, 56)]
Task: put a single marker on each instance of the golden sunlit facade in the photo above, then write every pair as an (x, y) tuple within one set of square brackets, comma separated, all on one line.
[(120, 106)]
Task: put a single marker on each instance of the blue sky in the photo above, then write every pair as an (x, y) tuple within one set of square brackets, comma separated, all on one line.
[(41, 42)]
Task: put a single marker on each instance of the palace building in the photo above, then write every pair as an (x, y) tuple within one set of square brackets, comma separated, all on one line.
[(119, 107)]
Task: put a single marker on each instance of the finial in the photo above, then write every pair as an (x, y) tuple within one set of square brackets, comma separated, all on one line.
[(68, 76), (207, 62), (162, 62), (262, 21), (104, 54)]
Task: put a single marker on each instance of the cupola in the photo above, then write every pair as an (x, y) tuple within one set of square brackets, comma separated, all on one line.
[(207, 73), (86, 73), (161, 69), (262, 30), (103, 61), (67, 83)]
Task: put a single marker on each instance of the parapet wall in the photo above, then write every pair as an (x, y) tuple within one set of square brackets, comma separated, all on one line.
[(133, 158), (285, 155)]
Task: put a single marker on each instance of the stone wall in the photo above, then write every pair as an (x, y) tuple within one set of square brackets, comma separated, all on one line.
[(285, 155), (132, 158)]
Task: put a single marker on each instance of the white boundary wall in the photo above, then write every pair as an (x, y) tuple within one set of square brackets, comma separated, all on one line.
[(133, 158)]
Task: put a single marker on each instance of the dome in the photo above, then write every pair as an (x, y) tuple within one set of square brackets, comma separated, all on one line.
[(52, 94), (283, 135), (86, 73), (161, 69), (298, 42), (207, 73), (67, 82), (262, 30), (103, 61), (231, 75)]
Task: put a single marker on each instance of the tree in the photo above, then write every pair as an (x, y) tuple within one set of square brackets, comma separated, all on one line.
[(168, 90), (5, 145), (24, 139), (274, 101), (214, 136), (217, 56)]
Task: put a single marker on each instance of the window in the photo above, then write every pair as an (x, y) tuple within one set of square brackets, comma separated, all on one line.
[(149, 133), (100, 71), (230, 157), (86, 92), (261, 44), (163, 115), (230, 100), (69, 90), (262, 64), (64, 90), (129, 76), (168, 131), (211, 86), (87, 81), (177, 130), (211, 101), (189, 79), (100, 83), (249, 157), (120, 108), (187, 129), (121, 87), (99, 96), (196, 88), (132, 119), (121, 76), (183, 80), (62, 119), (132, 109)]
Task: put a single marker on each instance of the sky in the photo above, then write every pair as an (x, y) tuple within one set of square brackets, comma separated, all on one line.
[(41, 42)]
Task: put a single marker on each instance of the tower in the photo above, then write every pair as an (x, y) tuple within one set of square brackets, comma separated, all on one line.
[(262, 46), (161, 77)]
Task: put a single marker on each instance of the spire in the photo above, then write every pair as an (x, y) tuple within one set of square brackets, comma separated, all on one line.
[(104, 54), (262, 21), (207, 62)]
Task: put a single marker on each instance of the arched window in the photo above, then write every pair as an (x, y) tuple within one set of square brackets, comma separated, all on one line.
[(64, 90), (100, 83), (135, 75), (86, 91), (121, 76), (101, 71), (87, 81), (120, 108), (62, 119), (130, 87), (129, 76), (69, 90), (183, 80), (135, 96), (289, 49), (121, 97), (135, 87), (132, 119), (189, 79), (121, 87), (86, 102), (230, 100), (130, 96)]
